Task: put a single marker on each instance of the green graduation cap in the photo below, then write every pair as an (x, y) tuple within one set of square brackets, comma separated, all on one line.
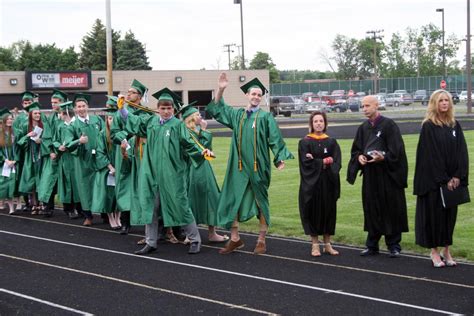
[(139, 86), (82, 97), (58, 94), (28, 95), (187, 110), (168, 95), (33, 106), (4, 112), (254, 83), (66, 106)]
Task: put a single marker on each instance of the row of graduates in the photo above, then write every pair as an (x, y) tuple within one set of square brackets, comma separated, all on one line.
[(150, 166), (94, 164)]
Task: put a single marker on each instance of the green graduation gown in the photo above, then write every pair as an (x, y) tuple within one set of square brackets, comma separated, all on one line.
[(245, 191), (8, 184), (84, 155), (164, 170), (49, 172), (33, 155), (203, 191), (68, 191), (104, 195)]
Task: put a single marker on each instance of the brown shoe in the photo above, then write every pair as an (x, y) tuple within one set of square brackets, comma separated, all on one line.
[(231, 246), (260, 248), (87, 222)]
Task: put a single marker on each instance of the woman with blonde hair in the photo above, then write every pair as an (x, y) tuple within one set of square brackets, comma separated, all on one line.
[(203, 191), (441, 160), (8, 159)]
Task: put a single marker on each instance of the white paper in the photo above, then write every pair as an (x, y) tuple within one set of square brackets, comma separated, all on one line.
[(38, 130), (110, 180), (6, 170)]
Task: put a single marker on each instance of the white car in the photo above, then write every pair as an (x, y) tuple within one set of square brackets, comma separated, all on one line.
[(463, 96)]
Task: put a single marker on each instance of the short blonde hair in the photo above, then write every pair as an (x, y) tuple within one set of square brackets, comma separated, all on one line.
[(190, 121), (432, 111)]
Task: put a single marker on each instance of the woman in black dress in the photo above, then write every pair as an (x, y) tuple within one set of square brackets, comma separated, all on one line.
[(320, 163), (441, 159)]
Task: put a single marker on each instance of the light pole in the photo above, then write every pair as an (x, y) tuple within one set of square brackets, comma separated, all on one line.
[(241, 30), (108, 38), (468, 59), (443, 52), (375, 36)]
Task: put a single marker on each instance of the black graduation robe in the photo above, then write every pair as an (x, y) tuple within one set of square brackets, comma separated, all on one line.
[(441, 154), (320, 185), (384, 183)]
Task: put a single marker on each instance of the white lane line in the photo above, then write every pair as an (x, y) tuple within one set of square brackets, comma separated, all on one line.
[(241, 233), (324, 264), (232, 306), (235, 274), (31, 298)]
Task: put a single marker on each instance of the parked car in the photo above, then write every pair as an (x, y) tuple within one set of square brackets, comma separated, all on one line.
[(353, 104), (420, 95), (308, 96), (318, 105), (400, 91), (397, 99), (463, 96), (339, 93), (282, 105)]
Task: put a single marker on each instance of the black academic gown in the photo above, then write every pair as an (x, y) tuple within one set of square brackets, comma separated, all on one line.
[(319, 185), (384, 183), (441, 154)]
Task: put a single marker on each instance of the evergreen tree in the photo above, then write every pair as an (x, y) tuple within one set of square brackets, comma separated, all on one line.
[(7, 59), (131, 54), (94, 48)]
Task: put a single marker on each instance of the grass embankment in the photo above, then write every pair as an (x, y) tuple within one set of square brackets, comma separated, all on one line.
[(349, 228)]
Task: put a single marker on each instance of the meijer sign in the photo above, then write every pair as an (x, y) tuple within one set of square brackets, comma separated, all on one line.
[(59, 80)]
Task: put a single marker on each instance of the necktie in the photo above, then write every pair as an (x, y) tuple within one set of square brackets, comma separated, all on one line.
[(249, 113), (86, 121)]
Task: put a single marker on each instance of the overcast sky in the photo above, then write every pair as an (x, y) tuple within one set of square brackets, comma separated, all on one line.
[(190, 34)]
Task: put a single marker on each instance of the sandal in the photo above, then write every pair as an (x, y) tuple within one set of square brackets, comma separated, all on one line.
[(315, 252), (171, 238), (35, 210), (215, 238), (328, 249)]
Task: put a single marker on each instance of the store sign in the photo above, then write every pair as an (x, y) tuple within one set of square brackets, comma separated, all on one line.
[(58, 80)]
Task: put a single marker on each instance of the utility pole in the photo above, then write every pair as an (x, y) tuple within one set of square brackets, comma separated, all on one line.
[(110, 84), (444, 52), (241, 31), (229, 50), (375, 36), (468, 59)]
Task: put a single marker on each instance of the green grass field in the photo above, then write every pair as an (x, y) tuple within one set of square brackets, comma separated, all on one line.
[(349, 228)]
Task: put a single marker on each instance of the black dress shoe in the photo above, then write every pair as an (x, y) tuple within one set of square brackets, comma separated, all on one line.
[(369, 252), (394, 254), (194, 248), (145, 250), (125, 229)]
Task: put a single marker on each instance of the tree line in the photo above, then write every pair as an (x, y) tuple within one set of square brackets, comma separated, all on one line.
[(128, 53), (417, 52)]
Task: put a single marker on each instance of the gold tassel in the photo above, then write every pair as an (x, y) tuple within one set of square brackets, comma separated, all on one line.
[(240, 165), (255, 166)]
